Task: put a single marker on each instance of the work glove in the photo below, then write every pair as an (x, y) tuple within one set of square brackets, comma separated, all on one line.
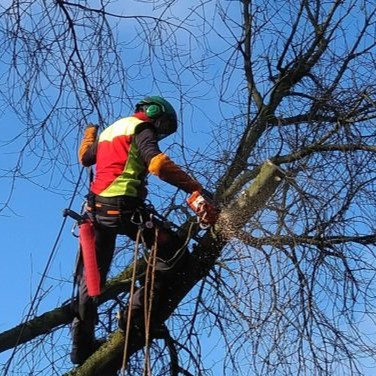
[(202, 203), (90, 135)]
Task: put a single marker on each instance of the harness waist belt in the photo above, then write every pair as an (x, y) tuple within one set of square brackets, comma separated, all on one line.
[(107, 211), (118, 201), (108, 200), (104, 209)]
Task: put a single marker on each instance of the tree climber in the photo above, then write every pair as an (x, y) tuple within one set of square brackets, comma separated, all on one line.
[(124, 153)]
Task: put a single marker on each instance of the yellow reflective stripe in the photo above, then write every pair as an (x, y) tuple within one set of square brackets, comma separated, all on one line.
[(128, 182), (122, 186), (122, 127)]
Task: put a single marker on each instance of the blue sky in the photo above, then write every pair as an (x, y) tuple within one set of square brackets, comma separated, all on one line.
[(31, 223), (30, 226)]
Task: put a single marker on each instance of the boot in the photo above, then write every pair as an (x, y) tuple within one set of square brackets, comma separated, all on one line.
[(137, 320)]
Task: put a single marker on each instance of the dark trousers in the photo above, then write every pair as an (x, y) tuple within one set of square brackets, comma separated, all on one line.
[(132, 215)]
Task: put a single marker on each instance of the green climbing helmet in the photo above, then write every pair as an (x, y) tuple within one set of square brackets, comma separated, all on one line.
[(161, 112)]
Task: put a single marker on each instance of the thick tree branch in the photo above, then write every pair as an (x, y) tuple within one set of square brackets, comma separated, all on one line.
[(40, 325), (295, 240), (63, 315)]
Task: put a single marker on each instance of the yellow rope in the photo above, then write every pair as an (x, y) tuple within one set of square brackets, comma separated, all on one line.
[(148, 298), (148, 301)]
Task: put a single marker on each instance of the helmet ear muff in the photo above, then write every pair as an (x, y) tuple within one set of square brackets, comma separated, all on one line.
[(162, 114), (154, 111)]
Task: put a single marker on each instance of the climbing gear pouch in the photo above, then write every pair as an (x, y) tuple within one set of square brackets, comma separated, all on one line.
[(87, 243)]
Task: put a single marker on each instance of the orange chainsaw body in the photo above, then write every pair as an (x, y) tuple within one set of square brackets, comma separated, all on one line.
[(204, 208)]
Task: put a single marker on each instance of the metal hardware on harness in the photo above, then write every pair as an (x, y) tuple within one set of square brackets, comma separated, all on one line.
[(71, 213), (78, 217), (133, 218), (149, 223)]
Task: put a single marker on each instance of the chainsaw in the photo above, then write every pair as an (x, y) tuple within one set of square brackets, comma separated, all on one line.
[(204, 207)]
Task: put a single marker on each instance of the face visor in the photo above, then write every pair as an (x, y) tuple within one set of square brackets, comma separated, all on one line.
[(165, 126)]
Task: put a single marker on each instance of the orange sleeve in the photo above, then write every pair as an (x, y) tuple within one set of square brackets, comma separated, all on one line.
[(163, 167), (90, 136)]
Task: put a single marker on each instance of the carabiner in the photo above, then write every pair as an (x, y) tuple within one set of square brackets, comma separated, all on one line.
[(133, 220), (73, 231)]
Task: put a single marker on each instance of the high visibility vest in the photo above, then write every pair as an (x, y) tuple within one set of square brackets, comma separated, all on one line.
[(119, 168)]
